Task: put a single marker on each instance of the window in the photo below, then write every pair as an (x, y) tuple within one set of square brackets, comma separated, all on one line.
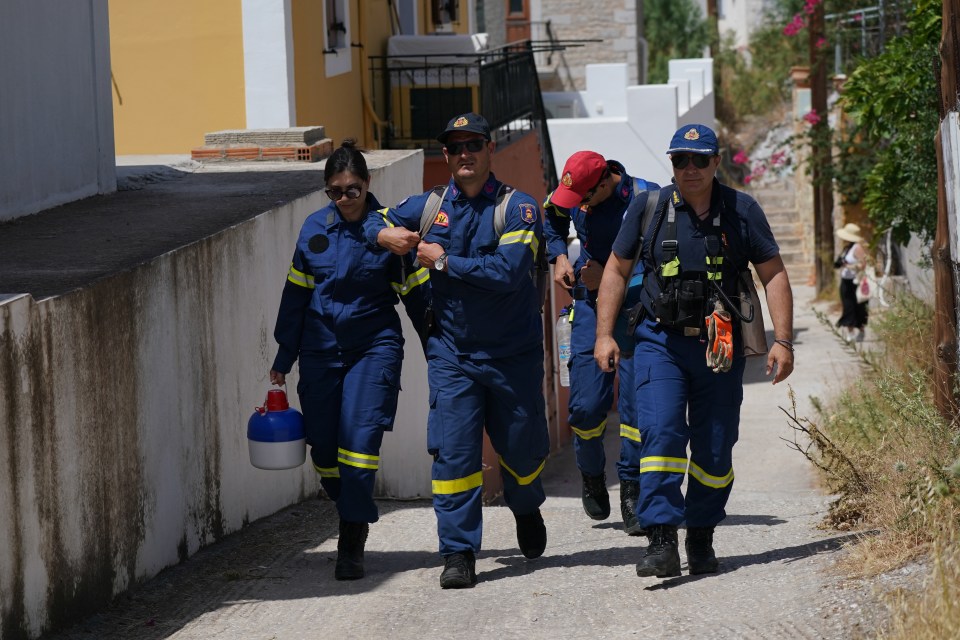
[(336, 37), (445, 11)]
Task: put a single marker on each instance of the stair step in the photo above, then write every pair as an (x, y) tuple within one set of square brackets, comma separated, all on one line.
[(776, 199)]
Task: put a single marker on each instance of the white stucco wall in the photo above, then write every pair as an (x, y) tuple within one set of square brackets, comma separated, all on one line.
[(56, 117), (123, 413), (268, 63), (633, 124)]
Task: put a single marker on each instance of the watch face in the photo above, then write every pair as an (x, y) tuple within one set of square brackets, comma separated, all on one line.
[(440, 263)]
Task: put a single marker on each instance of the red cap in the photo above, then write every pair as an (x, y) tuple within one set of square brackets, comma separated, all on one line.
[(581, 173), (277, 400)]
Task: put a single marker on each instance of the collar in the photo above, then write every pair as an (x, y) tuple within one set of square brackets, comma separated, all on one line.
[(333, 217), (488, 191), (716, 199)]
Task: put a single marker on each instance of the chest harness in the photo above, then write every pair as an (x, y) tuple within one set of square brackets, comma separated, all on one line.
[(688, 298)]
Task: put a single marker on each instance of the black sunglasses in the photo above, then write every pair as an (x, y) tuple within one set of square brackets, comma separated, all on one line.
[(589, 194), (700, 161), (352, 193), (473, 146)]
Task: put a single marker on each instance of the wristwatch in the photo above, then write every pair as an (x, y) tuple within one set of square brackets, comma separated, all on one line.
[(440, 263)]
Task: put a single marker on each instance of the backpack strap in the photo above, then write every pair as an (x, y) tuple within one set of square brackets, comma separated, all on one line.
[(432, 208), (500, 213)]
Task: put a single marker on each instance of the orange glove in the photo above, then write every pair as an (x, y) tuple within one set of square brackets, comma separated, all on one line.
[(719, 339)]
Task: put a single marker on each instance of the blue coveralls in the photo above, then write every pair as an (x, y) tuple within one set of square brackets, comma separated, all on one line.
[(591, 390), (337, 317), (679, 399), (485, 356)]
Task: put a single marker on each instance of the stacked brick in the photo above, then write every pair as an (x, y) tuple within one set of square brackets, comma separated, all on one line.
[(297, 144)]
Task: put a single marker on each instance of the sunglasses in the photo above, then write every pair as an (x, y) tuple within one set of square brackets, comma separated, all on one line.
[(589, 194), (473, 146), (352, 193), (700, 161)]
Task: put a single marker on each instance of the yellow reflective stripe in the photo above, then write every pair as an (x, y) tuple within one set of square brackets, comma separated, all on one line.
[(446, 487), (300, 278), (671, 268), (718, 260), (525, 479), (590, 434), (714, 482), (630, 433), (327, 472), (384, 213), (714, 275), (658, 463), (714, 262), (354, 459), (526, 237), (414, 280)]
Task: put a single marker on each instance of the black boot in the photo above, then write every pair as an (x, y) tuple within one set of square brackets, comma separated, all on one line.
[(629, 495), (459, 571), (699, 547), (596, 500), (353, 537), (661, 558), (531, 534)]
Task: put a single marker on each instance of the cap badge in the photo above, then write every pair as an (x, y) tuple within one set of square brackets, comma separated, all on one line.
[(693, 134), (567, 180), (461, 122)]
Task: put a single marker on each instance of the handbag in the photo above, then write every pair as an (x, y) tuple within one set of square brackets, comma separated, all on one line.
[(754, 333), (864, 288)]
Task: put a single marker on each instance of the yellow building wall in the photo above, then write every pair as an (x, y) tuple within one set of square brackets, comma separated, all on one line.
[(178, 73)]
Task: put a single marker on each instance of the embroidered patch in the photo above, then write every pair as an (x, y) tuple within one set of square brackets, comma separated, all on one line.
[(488, 187), (567, 180), (442, 220), (691, 135), (461, 122), (318, 243), (624, 191), (528, 213)]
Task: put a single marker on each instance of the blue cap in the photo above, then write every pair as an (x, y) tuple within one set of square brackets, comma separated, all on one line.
[(694, 138), (469, 122)]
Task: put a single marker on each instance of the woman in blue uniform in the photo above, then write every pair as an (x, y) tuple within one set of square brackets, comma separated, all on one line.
[(337, 317)]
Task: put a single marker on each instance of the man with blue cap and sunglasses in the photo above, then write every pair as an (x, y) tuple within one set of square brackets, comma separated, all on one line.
[(694, 250)]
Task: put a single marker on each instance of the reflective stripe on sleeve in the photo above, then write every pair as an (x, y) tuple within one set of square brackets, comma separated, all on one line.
[(300, 278), (527, 237), (327, 472), (384, 213)]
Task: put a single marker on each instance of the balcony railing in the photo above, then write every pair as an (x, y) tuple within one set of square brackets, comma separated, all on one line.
[(417, 95)]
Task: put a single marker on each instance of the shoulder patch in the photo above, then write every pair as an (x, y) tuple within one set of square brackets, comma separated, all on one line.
[(318, 243), (442, 220), (528, 212)]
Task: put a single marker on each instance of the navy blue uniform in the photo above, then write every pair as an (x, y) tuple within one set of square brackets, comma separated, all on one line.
[(591, 390), (337, 317), (485, 355), (679, 399)]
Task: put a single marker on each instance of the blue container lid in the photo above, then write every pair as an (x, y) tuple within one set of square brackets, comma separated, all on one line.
[(275, 426)]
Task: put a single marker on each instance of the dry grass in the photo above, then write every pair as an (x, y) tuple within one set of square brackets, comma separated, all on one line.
[(895, 464)]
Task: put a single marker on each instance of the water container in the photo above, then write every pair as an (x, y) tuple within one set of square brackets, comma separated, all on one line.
[(275, 434), (563, 346)]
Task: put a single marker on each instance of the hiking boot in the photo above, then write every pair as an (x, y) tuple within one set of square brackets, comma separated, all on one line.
[(531, 534), (699, 547), (596, 500), (353, 536), (459, 570), (661, 558), (629, 495)]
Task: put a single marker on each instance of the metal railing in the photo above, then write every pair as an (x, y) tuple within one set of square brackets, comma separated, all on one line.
[(416, 95), (863, 33)]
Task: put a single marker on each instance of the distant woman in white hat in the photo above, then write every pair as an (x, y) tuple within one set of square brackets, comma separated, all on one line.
[(852, 261)]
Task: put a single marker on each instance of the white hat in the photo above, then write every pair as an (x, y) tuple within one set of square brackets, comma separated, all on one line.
[(850, 232)]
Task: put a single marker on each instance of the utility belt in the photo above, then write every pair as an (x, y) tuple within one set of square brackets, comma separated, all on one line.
[(683, 304), (580, 292)]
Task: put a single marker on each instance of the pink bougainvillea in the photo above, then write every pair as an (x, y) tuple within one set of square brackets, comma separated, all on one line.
[(747, 178), (778, 158), (821, 43), (740, 158), (812, 117)]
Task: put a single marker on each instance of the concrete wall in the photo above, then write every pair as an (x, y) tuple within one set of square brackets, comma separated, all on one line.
[(123, 411), (633, 124), (55, 115)]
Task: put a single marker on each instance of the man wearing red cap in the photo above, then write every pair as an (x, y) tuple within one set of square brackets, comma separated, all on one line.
[(697, 245), (593, 194)]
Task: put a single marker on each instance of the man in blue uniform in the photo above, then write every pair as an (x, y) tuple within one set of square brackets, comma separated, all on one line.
[(593, 194), (701, 238), (485, 350)]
